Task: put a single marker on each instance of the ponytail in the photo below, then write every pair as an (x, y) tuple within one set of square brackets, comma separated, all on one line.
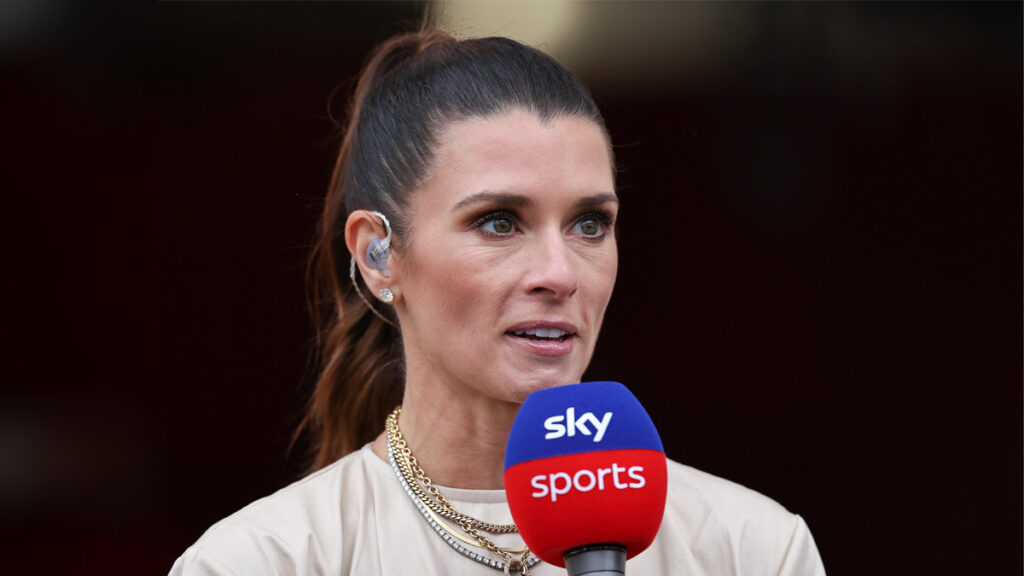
[(359, 355)]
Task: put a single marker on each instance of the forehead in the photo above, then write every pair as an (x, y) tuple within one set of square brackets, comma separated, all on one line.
[(517, 152)]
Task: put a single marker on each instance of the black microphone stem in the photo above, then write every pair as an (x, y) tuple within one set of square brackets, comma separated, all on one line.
[(596, 560)]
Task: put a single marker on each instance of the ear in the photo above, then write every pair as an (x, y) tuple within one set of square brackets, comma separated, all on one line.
[(362, 228)]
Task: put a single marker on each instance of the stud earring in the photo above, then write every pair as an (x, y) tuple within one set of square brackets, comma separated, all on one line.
[(386, 295)]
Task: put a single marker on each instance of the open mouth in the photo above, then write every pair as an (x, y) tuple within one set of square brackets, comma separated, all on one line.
[(543, 334)]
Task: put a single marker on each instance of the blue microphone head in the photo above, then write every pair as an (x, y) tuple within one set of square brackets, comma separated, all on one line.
[(570, 420)]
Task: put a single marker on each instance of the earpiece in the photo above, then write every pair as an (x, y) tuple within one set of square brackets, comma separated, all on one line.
[(377, 251), (377, 255)]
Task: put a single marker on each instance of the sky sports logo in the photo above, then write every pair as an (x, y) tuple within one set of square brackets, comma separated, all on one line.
[(559, 483), (572, 425)]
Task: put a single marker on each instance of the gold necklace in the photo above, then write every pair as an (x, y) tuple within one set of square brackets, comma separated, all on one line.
[(436, 501), (431, 504)]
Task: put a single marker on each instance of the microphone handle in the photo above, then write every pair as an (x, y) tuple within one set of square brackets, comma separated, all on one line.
[(596, 560)]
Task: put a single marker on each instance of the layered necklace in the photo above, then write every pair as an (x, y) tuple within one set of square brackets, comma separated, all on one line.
[(433, 506)]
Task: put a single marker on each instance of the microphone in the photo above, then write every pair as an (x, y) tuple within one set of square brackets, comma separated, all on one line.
[(585, 477)]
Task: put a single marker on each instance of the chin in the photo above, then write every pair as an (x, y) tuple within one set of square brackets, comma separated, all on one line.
[(532, 385)]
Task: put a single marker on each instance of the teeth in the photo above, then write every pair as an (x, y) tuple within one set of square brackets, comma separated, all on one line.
[(542, 332)]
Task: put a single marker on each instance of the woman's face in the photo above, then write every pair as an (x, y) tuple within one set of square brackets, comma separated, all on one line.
[(511, 257)]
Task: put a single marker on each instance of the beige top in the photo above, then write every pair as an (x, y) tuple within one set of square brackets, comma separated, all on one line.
[(353, 517)]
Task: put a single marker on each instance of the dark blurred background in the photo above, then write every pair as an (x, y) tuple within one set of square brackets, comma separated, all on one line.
[(819, 297)]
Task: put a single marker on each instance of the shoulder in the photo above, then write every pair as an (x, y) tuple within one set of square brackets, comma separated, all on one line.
[(725, 501), (727, 524), (296, 526)]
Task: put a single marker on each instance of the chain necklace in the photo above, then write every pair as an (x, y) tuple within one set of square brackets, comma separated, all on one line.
[(432, 505)]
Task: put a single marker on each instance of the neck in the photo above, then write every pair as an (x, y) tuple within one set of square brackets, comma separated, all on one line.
[(459, 443)]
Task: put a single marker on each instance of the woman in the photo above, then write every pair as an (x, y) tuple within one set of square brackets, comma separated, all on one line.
[(475, 192)]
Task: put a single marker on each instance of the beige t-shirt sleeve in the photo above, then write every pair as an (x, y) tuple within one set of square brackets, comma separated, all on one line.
[(196, 562), (802, 557)]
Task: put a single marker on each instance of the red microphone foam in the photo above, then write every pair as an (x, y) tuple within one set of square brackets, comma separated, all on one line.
[(565, 502)]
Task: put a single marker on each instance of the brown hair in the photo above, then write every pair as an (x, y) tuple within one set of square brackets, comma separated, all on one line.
[(411, 87)]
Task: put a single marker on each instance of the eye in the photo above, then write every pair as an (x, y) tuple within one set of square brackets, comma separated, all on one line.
[(593, 225), (589, 227), (499, 226), (497, 223)]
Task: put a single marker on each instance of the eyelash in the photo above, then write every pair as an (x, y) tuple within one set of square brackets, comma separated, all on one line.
[(605, 217)]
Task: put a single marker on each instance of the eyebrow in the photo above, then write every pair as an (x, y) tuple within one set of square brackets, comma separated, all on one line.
[(496, 197), (596, 200), (520, 201)]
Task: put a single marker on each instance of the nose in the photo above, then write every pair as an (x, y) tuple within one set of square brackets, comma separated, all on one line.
[(549, 268)]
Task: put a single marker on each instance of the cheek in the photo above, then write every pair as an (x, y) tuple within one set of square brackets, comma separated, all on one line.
[(602, 277), (611, 268), (457, 292)]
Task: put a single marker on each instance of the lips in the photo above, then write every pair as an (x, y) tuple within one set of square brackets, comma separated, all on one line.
[(544, 338), (543, 330), (543, 334)]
